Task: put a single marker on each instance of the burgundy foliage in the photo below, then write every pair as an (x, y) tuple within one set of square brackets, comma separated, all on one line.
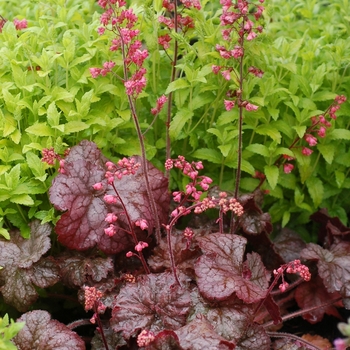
[(221, 272), (82, 225), (229, 293), (24, 268), (42, 333)]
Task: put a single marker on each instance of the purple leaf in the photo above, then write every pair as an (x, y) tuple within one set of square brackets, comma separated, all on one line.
[(18, 282), (333, 265), (33, 248), (313, 294), (199, 334), (154, 303), (42, 333), (82, 225), (165, 340), (273, 309), (76, 270), (220, 271), (184, 257), (234, 324)]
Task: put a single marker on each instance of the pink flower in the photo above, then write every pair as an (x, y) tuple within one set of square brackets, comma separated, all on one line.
[(129, 254), (229, 104), (142, 223), (145, 338), (164, 40), (340, 344), (140, 246), (237, 52), (252, 35), (111, 217), (98, 186), (257, 72), (177, 196), (101, 30), (110, 199), (251, 107), (215, 69), (306, 151), (311, 140), (20, 24), (95, 72), (111, 230), (288, 167), (226, 74), (322, 132)]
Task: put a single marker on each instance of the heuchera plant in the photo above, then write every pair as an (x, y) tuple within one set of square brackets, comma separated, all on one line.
[(152, 268)]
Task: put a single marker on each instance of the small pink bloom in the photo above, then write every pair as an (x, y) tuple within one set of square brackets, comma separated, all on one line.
[(20, 24), (111, 230), (237, 52), (95, 72), (251, 107), (129, 254), (111, 217), (101, 30), (229, 104), (177, 196), (98, 186), (140, 246), (340, 344), (311, 140), (226, 74), (252, 35), (322, 132), (110, 199), (142, 223), (287, 168), (306, 151), (215, 69)]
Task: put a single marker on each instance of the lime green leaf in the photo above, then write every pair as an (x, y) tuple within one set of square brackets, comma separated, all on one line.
[(272, 173), (12, 178), (37, 166), (53, 116), (247, 167), (208, 154), (339, 178), (269, 131), (340, 134), (75, 126), (300, 130), (4, 233), (225, 149), (40, 129), (315, 188), (176, 85), (23, 199), (285, 218), (259, 149), (178, 122), (327, 152), (283, 150)]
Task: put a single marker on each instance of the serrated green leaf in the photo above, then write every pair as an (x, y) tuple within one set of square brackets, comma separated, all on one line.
[(179, 121), (269, 131), (300, 130), (75, 126), (16, 136), (53, 116), (258, 149), (283, 150), (339, 178), (23, 199), (285, 218), (36, 166), (208, 154), (327, 152), (40, 129), (340, 134), (247, 167), (225, 149), (176, 85), (315, 188), (4, 233), (12, 177), (272, 173)]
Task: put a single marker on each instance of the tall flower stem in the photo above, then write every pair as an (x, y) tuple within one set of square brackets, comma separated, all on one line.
[(142, 146)]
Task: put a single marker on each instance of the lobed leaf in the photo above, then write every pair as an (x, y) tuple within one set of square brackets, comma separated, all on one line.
[(220, 271), (154, 302), (42, 333), (82, 225)]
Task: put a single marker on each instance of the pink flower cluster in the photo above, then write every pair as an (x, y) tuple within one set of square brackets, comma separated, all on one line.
[(50, 156), (92, 295), (125, 166), (294, 266), (183, 22), (121, 22), (237, 18), (160, 103), (145, 338), (107, 67), (319, 127), (20, 24)]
